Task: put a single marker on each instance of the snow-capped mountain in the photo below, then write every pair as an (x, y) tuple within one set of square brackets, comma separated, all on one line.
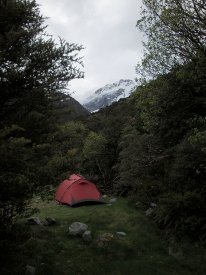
[(108, 94)]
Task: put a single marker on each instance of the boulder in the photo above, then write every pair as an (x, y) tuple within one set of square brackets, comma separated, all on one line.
[(121, 234), (138, 204), (87, 236), (77, 228)]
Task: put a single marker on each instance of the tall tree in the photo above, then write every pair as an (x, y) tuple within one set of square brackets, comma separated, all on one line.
[(33, 68), (32, 64), (175, 34), (95, 156)]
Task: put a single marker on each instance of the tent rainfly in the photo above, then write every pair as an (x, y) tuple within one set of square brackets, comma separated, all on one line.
[(76, 190)]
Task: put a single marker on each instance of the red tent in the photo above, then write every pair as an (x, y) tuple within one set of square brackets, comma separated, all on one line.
[(77, 189)]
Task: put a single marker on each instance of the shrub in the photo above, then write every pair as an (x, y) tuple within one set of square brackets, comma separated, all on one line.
[(182, 214), (15, 191)]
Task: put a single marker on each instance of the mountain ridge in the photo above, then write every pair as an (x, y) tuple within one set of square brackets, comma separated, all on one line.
[(67, 108), (108, 94)]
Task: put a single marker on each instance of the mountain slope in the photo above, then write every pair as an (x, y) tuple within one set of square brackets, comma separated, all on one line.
[(67, 108), (108, 94)]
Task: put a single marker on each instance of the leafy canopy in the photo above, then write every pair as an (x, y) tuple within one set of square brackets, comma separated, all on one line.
[(31, 62), (33, 69), (175, 34)]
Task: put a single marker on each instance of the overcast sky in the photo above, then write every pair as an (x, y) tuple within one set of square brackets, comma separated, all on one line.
[(106, 28)]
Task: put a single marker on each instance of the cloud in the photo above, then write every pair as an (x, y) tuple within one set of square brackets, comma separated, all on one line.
[(106, 28)]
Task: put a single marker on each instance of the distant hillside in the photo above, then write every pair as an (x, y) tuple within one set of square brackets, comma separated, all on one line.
[(67, 108), (108, 94)]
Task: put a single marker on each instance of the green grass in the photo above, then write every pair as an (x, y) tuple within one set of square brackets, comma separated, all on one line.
[(53, 251)]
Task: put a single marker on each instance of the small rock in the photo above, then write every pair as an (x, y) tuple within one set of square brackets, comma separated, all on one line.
[(104, 196), (104, 239), (138, 204), (77, 228), (149, 211), (30, 270), (121, 234), (34, 221), (152, 204), (109, 204), (87, 236), (112, 200), (49, 221)]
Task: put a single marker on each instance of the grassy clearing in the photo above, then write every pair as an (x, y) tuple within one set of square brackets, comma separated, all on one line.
[(53, 251)]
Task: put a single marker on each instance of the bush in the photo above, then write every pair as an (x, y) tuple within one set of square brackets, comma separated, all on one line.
[(15, 191), (15, 183), (188, 170), (182, 214)]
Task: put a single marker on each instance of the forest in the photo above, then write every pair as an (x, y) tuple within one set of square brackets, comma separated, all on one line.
[(148, 148)]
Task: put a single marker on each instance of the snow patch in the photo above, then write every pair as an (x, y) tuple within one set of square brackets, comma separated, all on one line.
[(110, 93)]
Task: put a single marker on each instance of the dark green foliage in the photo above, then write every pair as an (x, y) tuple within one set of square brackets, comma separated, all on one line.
[(182, 213), (67, 108), (15, 181), (140, 162), (158, 139), (167, 106), (63, 153), (33, 70), (32, 64), (129, 161), (171, 149), (109, 122), (188, 170), (33, 67), (95, 159), (172, 110), (175, 33)]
